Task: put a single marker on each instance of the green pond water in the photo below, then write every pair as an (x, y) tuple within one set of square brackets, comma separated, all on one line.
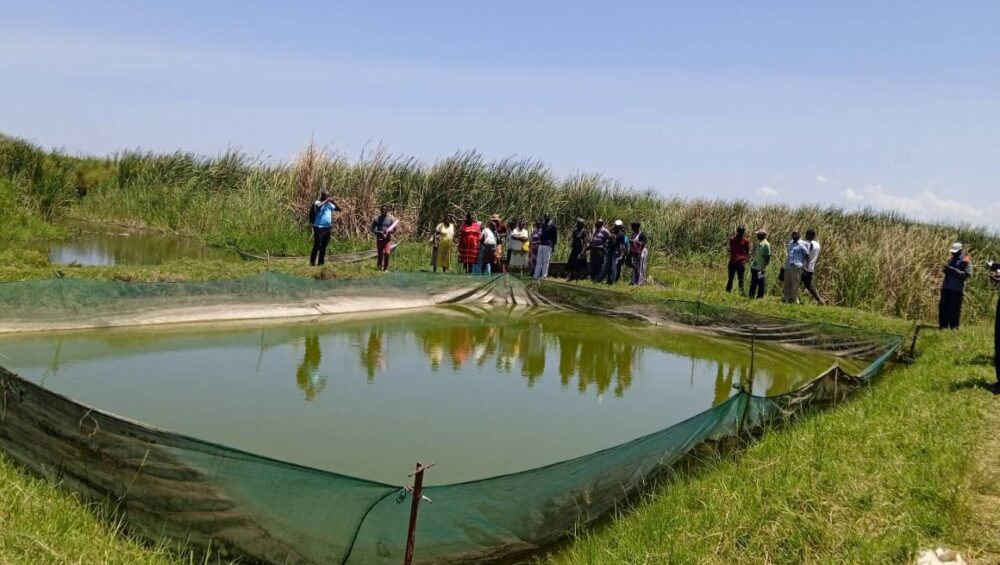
[(127, 248), (481, 392)]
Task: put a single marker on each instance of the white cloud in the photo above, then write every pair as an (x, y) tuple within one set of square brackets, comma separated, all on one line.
[(767, 192), (926, 206), (821, 178)]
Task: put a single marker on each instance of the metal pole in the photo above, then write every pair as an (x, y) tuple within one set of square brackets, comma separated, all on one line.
[(417, 489), (749, 388)]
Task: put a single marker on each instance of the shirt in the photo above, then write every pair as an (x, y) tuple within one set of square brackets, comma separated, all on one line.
[(579, 237), (489, 238), (813, 247), (955, 280), (550, 234), (599, 237), (739, 249), (761, 255), (445, 232), (798, 254), (324, 214), (381, 225)]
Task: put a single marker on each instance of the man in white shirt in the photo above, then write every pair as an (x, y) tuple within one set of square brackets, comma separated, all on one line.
[(810, 267)]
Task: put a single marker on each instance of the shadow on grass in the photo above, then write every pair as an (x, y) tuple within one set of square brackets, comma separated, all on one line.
[(970, 383)]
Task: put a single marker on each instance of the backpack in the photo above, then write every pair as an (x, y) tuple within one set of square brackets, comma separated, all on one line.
[(313, 210)]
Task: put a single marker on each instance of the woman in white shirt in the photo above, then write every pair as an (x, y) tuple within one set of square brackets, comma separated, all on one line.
[(518, 242)]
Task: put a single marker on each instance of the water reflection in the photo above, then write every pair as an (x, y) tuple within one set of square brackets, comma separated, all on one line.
[(307, 376), (127, 249), (520, 344)]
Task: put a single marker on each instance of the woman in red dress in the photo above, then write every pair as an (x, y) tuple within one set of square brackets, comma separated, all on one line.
[(469, 234)]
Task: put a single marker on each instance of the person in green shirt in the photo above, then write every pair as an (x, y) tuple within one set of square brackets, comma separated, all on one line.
[(759, 260)]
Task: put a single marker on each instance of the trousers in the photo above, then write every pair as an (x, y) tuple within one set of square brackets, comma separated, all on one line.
[(950, 309), (735, 270), (758, 283)]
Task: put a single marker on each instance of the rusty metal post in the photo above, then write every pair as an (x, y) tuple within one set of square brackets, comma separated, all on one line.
[(416, 491)]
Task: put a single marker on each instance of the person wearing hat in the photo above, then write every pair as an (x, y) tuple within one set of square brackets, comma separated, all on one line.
[(501, 233), (546, 245), (956, 270), (321, 218), (739, 251), (759, 261), (994, 269), (577, 264)]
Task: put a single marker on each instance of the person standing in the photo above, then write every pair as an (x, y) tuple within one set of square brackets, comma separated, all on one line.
[(761, 258), (321, 217), (469, 234), (807, 272), (795, 261), (994, 268), (517, 247), (614, 247), (956, 270), (533, 243), (597, 243), (489, 261), (739, 251), (383, 227), (444, 236), (546, 245), (501, 233), (577, 264), (638, 254)]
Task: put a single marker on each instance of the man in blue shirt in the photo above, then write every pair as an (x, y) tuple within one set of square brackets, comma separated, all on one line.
[(797, 257), (321, 216)]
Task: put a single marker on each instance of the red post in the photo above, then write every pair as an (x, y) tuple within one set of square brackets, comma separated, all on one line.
[(416, 490)]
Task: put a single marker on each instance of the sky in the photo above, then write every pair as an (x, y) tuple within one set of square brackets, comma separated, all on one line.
[(849, 103)]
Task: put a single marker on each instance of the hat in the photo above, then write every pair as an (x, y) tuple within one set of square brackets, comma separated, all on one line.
[(956, 247), (619, 223), (761, 232), (581, 221), (495, 217)]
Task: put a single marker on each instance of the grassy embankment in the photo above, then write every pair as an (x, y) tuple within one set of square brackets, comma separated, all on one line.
[(900, 467), (871, 260)]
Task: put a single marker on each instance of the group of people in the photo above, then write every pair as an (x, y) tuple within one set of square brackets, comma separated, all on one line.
[(797, 271), (600, 253), (597, 253)]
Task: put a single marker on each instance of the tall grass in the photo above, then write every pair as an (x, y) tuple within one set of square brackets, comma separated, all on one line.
[(877, 260)]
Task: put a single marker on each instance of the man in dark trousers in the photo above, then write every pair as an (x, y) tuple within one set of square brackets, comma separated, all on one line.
[(956, 270), (739, 251), (597, 242), (995, 275), (321, 218)]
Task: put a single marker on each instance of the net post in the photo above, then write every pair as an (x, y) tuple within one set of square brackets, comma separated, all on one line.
[(267, 273), (417, 490), (749, 388)]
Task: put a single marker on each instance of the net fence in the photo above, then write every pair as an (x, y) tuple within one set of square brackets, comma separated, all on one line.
[(240, 504)]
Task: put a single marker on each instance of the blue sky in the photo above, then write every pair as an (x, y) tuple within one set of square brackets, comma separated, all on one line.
[(889, 104)]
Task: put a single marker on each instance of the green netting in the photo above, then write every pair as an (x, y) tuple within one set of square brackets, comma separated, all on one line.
[(202, 494)]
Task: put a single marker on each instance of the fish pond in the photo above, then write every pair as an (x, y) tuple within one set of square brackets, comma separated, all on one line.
[(479, 391), (99, 248)]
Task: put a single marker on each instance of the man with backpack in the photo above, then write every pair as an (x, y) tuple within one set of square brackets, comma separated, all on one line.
[(321, 219)]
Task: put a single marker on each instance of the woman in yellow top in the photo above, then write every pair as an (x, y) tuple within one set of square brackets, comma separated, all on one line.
[(444, 242)]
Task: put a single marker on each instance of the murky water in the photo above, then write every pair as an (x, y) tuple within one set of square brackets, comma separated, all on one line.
[(480, 392), (127, 248)]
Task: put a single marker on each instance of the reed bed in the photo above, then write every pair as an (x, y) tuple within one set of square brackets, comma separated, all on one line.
[(875, 260)]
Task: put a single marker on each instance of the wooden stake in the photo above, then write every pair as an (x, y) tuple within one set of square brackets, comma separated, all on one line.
[(416, 491)]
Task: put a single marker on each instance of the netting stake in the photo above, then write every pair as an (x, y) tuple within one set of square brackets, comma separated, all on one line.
[(267, 275), (416, 489), (749, 389)]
